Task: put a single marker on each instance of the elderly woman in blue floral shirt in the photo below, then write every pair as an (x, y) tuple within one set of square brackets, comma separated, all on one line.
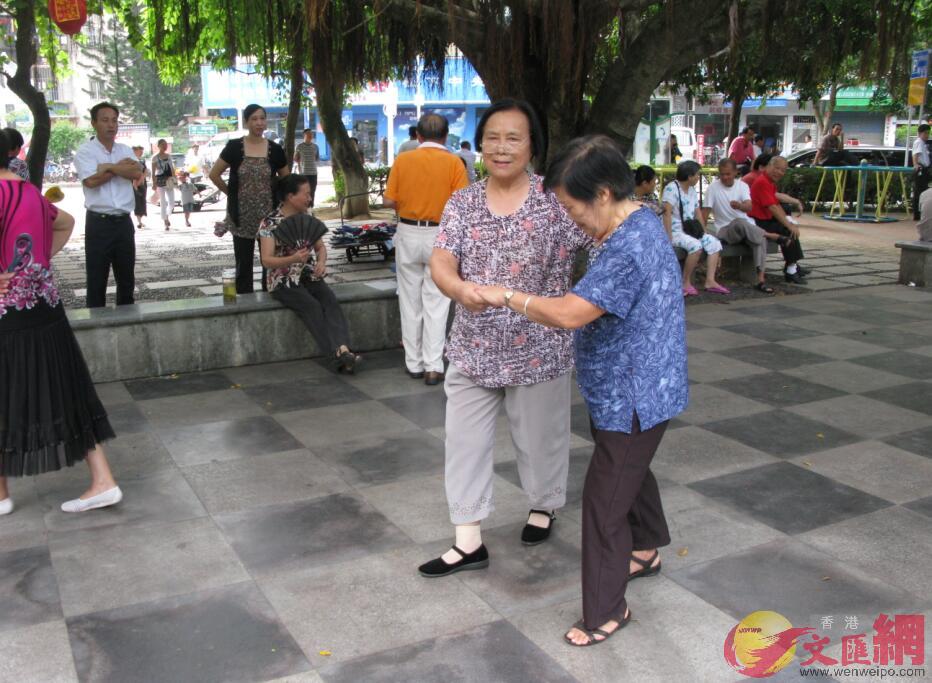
[(631, 368)]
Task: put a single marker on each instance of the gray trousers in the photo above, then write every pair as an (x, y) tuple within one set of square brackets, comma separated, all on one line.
[(743, 230), (539, 420)]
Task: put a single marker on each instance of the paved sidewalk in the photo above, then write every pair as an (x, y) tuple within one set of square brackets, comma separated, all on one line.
[(274, 517)]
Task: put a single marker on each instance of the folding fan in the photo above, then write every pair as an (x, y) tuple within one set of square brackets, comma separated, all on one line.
[(299, 231)]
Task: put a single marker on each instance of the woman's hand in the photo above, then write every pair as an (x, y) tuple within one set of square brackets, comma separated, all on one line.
[(492, 295), (301, 256), (5, 282), (320, 269), (468, 297)]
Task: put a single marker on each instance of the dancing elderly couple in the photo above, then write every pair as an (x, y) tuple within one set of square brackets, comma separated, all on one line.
[(504, 253)]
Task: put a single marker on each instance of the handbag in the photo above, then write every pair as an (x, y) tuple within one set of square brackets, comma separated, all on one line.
[(691, 226)]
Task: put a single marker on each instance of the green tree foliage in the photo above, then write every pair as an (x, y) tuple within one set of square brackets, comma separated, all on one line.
[(132, 82), (65, 139)]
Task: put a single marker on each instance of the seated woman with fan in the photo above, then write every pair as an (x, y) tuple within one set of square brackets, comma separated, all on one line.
[(293, 251)]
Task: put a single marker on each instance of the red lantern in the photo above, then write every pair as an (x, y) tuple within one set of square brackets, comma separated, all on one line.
[(68, 15)]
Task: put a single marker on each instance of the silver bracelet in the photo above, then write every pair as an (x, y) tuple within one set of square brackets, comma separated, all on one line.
[(526, 302)]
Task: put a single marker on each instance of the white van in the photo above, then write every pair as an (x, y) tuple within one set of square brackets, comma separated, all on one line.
[(685, 137)]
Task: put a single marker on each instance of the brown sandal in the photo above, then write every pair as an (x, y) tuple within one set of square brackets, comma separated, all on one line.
[(646, 568)]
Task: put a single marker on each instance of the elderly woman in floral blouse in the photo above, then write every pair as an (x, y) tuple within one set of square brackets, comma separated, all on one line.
[(506, 230)]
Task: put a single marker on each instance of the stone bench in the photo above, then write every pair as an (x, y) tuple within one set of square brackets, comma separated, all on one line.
[(915, 263), (736, 260), (193, 335)]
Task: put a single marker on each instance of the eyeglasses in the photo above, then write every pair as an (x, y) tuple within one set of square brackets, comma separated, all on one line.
[(508, 144)]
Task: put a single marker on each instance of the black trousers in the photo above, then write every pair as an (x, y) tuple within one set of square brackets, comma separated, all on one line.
[(319, 310), (244, 251), (621, 512), (109, 241), (840, 158), (920, 184), (793, 251), (312, 179)]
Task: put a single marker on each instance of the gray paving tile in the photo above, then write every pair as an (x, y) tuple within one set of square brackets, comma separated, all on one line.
[(889, 337), (777, 389), (771, 331), (176, 385), (847, 376), (770, 311), (24, 528), (923, 506), (491, 652), (692, 453), (419, 507), (842, 270), (272, 479), (881, 317), (281, 538), (863, 416), (796, 580), (918, 441), (127, 418), (356, 608), (862, 280), (824, 323), (521, 578), (775, 356), (146, 562), (708, 403), (382, 459), (388, 382), (711, 367), (251, 375), (915, 396), (905, 534), (192, 409), (788, 498), (227, 634), (911, 365), (28, 589), (782, 433), (718, 339), (227, 440), (875, 467), (302, 394), (39, 653), (426, 410), (652, 634), (112, 393), (320, 428)]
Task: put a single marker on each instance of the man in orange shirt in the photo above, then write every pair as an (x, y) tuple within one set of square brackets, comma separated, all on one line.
[(419, 185)]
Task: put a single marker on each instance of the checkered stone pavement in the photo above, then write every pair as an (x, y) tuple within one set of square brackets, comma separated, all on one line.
[(274, 517)]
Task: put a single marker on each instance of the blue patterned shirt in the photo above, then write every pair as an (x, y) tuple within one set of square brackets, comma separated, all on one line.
[(633, 358)]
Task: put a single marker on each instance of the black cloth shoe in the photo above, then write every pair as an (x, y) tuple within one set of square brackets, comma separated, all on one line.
[(479, 559), (803, 271), (415, 375), (795, 278), (532, 535)]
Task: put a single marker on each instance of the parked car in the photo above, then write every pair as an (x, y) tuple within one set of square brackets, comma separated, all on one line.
[(875, 155)]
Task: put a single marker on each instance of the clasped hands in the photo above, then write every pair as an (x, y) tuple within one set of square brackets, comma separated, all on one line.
[(476, 298), (127, 164)]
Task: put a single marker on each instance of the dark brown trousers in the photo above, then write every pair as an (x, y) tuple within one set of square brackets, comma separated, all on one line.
[(621, 512)]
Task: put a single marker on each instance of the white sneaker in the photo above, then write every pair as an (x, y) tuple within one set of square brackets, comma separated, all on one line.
[(6, 506), (101, 500)]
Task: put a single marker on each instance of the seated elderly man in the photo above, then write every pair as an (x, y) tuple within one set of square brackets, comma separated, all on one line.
[(729, 200), (925, 216), (770, 216)]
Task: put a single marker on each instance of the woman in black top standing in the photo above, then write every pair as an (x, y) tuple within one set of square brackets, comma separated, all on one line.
[(254, 163)]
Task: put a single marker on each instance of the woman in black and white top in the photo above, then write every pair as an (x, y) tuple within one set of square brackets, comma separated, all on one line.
[(163, 179), (254, 163)]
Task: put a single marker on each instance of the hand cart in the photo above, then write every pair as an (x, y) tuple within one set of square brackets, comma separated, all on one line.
[(363, 241)]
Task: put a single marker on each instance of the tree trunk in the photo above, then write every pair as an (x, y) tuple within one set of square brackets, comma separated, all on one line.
[(296, 96), (21, 85), (734, 118), (343, 155), (825, 112)]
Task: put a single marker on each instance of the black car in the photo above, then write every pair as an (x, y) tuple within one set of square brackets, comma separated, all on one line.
[(875, 155)]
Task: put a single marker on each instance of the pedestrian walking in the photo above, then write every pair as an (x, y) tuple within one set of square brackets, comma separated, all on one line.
[(163, 179), (140, 186), (306, 155), (187, 189)]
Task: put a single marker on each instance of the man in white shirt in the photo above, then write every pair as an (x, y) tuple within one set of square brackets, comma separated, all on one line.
[(107, 170), (729, 201), (469, 158), (922, 164)]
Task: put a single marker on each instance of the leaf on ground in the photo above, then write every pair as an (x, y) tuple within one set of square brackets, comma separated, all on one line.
[(325, 653), (173, 376), (806, 463), (683, 552), (820, 435), (236, 386), (826, 578)]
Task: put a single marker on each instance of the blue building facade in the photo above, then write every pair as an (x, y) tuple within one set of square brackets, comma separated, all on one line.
[(378, 117)]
